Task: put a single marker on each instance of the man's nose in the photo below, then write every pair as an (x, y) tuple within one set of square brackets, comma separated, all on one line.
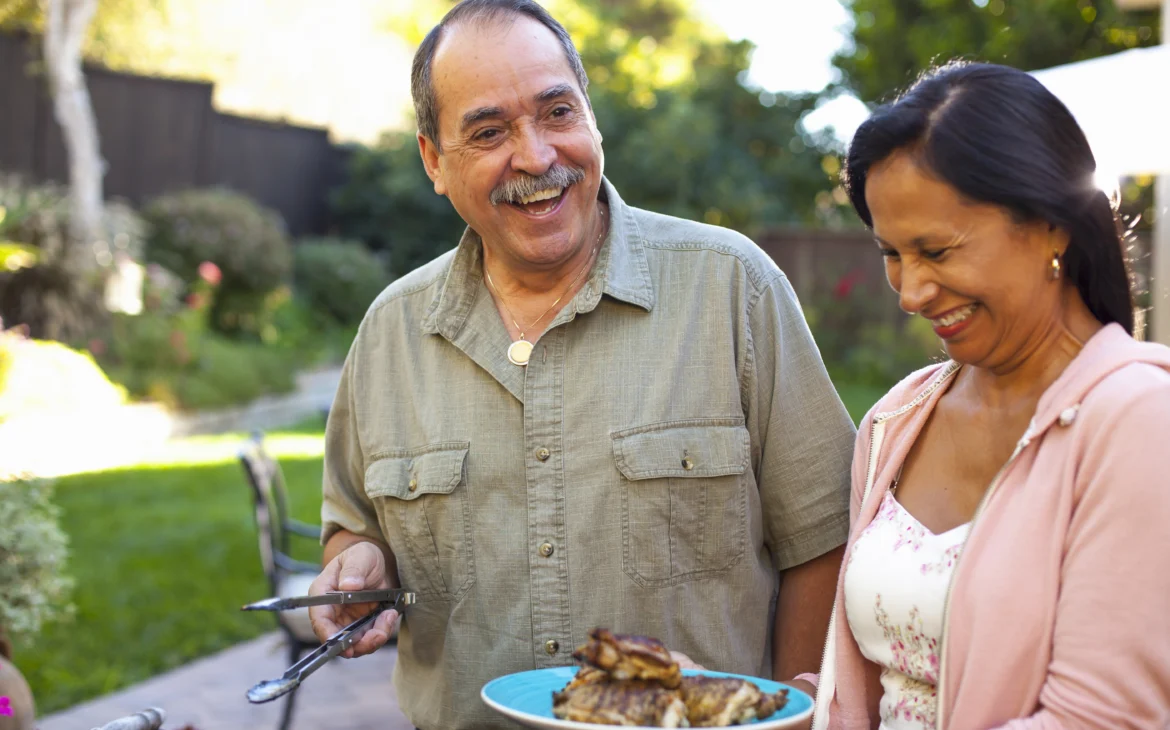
[(533, 154), (916, 288)]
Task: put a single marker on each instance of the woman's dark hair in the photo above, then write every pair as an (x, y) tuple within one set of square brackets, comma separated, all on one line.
[(998, 136)]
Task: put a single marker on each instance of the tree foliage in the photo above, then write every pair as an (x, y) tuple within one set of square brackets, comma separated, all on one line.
[(682, 135), (895, 40)]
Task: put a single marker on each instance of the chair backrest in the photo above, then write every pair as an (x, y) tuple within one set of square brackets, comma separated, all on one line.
[(271, 505)]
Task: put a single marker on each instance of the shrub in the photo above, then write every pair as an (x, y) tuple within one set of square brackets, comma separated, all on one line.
[(338, 277), (389, 203), (44, 283), (860, 346), (246, 242), (33, 551), (36, 375)]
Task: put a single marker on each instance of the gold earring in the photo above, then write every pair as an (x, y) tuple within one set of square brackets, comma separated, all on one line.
[(1054, 269)]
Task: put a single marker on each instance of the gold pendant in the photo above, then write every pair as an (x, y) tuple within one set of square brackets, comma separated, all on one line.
[(519, 352)]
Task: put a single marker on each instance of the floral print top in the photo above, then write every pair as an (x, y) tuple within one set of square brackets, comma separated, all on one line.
[(895, 587)]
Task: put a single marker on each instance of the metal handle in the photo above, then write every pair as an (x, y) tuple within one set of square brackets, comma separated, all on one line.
[(149, 719)]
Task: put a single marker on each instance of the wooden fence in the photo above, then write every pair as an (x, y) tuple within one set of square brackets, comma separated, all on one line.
[(162, 135)]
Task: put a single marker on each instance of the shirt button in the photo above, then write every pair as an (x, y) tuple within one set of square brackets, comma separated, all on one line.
[(551, 647), (413, 485), (543, 454), (688, 464), (546, 550)]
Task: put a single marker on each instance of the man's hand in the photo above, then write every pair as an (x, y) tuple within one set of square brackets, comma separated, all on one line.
[(684, 661), (359, 567)]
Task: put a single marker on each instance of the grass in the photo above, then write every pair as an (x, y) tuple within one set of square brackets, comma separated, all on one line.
[(163, 556), (859, 398)]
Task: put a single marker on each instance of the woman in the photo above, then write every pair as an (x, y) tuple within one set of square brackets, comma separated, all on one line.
[(1009, 558)]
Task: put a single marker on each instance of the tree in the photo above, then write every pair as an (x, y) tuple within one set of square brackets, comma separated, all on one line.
[(895, 40), (682, 135), (66, 23)]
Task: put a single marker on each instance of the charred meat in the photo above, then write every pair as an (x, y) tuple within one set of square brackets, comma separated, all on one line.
[(726, 701), (629, 657)]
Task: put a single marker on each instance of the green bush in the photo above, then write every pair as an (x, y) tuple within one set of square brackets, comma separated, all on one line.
[(247, 242), (338, 277), (37, 376), (46, 284), (859, 345), (389, 203), (33, 551)]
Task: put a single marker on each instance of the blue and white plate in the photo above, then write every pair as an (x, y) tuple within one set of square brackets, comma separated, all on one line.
[(526, 697)]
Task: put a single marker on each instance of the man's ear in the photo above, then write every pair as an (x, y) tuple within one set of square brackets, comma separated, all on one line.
[(429, 152)]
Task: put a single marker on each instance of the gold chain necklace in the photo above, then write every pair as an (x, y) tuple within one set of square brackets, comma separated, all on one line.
[(521, 350)]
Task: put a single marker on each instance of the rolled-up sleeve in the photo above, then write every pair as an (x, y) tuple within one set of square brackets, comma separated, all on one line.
[(802, 435), (345, 505)]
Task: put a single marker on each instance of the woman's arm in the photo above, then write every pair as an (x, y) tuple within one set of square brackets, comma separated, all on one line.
[(1111, 647)]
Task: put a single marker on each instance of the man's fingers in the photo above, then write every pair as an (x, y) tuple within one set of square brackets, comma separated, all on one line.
[(684, 661), (321, 619)]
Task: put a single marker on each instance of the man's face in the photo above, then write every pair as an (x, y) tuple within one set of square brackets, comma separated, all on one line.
[(510, 109)]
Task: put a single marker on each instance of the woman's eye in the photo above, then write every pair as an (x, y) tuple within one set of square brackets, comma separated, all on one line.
[(934, 255), (890, 254)]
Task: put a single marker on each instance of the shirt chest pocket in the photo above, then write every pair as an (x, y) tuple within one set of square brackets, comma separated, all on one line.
[(422, 502), (683, 498)]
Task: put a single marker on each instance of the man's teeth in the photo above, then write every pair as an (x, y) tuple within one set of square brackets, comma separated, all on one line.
[(955, 317), (541, 195)]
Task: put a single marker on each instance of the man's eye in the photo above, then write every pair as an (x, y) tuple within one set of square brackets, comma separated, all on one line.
[(487, 135), (561, 111)]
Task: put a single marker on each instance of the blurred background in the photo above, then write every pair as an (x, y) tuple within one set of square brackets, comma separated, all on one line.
[(200, 198)]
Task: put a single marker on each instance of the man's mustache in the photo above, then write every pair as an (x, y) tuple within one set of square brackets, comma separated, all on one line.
[(517, 188)]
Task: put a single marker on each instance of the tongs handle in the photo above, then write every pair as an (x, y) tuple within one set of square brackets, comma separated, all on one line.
[(333, 646)]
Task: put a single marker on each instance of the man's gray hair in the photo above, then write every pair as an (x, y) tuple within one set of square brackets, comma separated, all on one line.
[(422, 86)]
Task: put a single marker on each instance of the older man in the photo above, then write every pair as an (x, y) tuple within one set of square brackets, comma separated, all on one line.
[(586, 415)]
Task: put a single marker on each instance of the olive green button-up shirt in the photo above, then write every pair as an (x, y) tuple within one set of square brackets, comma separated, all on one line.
[(672, 444)]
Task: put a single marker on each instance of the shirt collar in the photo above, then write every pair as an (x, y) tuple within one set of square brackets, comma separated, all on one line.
[(621, 271)]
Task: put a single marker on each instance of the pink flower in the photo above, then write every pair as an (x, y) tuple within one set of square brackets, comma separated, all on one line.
[(195, 301), (5, 707), (97, 347), (846, 283), (210, 273)]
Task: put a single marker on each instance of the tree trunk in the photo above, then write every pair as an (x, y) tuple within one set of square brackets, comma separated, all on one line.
[(66, 22)]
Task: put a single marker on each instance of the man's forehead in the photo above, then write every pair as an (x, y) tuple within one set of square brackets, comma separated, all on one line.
[(498, 63)]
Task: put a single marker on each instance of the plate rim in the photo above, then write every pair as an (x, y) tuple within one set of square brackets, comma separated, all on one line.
[(520, 715)]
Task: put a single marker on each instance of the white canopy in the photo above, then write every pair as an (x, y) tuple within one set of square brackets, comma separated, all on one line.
[(1121, 102)]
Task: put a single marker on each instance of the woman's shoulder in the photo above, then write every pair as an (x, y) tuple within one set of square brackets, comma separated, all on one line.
[(912, 387)]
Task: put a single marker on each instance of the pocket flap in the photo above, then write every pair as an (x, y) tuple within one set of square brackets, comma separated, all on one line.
[(435, 470), (696, 448)]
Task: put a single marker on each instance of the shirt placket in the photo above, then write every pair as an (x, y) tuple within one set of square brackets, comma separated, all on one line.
[(545, 478)]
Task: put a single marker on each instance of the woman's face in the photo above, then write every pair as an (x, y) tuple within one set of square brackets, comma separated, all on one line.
[(981, 278)]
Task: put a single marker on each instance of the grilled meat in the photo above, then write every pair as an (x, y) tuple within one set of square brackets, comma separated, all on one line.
[(726, 701), (629, 657), (587, 675), (629, 703)]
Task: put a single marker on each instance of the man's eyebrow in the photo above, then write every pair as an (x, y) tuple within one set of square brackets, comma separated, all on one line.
[(480, 114), (555, 92)]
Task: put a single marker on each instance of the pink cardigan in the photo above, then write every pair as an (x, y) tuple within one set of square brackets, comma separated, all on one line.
[(1059, 608)]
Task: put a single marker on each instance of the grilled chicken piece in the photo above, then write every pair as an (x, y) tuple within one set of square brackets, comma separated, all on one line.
[(630, 703), (629, 657), (587, 675), (726, 701)]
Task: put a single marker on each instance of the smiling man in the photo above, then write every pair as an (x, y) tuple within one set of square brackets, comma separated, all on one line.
[(586, 415)]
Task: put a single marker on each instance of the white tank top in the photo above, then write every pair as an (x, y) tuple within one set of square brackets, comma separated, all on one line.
[(895, 587)]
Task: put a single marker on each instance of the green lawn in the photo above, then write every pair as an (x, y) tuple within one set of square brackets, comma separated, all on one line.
[(163, 556), (859, 398)]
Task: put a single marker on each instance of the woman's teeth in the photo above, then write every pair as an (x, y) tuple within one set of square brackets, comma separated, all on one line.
[(955, 317)]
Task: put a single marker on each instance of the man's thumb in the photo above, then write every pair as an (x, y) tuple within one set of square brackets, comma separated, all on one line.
[(352, 576)]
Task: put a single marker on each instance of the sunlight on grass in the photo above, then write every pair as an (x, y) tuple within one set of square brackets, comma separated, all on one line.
[(206, 450)]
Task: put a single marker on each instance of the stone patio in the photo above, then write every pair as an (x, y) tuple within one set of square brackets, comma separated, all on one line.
[(208, 694)]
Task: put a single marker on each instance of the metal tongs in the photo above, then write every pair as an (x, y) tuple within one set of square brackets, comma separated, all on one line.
[(271, 689)]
